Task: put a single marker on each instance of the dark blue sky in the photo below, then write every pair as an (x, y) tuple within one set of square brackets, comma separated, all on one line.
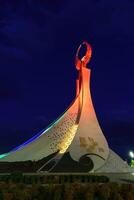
[(38, 42)]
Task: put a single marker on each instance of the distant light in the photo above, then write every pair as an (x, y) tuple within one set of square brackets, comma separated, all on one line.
[(131, 154)]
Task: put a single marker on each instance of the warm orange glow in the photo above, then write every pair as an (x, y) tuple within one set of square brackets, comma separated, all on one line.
[(83, 62), (89, 137)]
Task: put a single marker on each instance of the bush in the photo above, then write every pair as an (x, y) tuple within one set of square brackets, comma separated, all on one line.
[(103, 192), (16, 176), (72, 191)]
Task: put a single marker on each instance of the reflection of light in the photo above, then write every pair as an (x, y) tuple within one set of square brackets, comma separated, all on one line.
[(131, 154), (133, 173), (68, 139)]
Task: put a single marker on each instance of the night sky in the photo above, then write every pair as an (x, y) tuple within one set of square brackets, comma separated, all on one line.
[(38, 42)]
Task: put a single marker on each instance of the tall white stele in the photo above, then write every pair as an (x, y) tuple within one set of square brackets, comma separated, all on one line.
[(76, 132)]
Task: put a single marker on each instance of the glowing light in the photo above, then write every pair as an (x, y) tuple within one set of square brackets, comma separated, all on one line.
[(3, 155), (131, 154), (68, 139)]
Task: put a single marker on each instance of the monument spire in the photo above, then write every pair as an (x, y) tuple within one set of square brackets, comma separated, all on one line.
[(75, 136)]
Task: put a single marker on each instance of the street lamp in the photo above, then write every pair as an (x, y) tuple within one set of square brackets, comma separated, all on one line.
[(131, 154)]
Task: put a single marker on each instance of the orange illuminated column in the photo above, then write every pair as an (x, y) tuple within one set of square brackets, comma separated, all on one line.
[(89, 139)]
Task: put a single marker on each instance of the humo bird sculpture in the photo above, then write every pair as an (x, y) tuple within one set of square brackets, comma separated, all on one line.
[(74, 142)]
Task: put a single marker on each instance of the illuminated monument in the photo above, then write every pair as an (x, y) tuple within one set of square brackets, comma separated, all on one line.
[(74, 142)]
